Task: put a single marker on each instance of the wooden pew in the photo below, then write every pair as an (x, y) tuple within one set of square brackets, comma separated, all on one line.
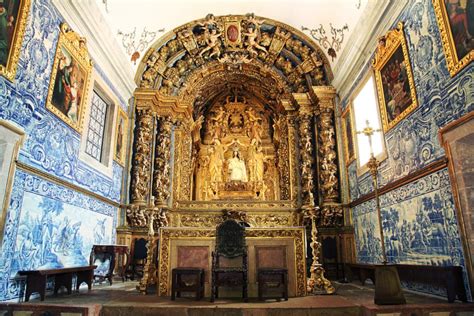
[(449, 277), (36, 279)]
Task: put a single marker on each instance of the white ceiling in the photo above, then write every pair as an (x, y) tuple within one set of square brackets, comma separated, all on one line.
[(125, 17)]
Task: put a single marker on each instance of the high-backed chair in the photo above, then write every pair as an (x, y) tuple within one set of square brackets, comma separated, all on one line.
[(227, 269), (138, 258)]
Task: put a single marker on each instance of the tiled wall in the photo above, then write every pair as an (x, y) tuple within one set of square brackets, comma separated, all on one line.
[(50, 225), (419, 220)]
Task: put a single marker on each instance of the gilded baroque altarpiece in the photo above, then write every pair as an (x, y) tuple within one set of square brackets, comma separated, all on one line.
[(234, 119)]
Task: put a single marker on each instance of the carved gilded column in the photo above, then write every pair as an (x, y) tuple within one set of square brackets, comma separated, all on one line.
[(306, 144), (307, 110), (141, 165), (162, 168), (328, 168), (291, 121)]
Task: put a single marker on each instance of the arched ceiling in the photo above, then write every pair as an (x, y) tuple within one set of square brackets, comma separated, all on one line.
[(139, 23)]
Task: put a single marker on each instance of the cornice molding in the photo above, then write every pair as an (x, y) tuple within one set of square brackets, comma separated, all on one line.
[(85, 18), (378, 17)]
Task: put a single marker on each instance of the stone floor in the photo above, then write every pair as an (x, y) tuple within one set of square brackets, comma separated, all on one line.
[(350, 299)]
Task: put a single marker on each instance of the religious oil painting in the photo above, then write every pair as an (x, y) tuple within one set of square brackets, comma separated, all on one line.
[(456, 23), (54, 234), (348, 129), (69, 79), (120, 141), (13, 16), (395, 86)]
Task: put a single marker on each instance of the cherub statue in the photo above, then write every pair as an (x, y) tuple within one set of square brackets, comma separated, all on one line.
[(251, 41), (212, 41)]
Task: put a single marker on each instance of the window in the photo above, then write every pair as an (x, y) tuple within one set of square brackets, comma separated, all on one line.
[(366, 110), (95, 133)]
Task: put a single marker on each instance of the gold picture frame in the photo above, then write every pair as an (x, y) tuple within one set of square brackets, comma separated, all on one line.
[(458, 44), (394, 78), (16, 14), (70, 77), (348, 134), (121, 128)]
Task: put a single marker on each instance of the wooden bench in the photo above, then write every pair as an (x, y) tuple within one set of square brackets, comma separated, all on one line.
[(448, 277), (36, 279)]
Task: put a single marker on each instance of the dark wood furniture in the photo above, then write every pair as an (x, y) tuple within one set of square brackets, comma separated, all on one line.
[(105, 257), (449, 277), (36, 279), (273, 279), (187, 280), (138, 257), (230, 245), (362, 271)]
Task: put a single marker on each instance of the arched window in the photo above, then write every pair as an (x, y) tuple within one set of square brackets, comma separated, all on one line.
[(365, 109)]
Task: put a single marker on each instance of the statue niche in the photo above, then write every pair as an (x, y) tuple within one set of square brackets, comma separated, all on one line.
[(236, 153)]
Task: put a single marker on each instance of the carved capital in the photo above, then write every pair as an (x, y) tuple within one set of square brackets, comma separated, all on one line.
[(326, 96)]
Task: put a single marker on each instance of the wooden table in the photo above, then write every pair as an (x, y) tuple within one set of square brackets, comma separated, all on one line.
[(111, 252), (36, 279), (179, 285)]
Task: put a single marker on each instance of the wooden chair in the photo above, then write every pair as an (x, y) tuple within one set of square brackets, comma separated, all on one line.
[(230, 245), (138, 258)]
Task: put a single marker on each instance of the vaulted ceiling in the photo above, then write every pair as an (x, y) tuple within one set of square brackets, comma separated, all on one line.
[(138, 24)]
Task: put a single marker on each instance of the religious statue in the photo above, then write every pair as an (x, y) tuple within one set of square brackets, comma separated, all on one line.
[(196, 129), (216, 161), (236, 168), (256, 161)]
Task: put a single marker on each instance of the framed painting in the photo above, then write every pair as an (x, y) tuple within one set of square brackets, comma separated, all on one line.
[(120, 137), (394, 78), (456, 25), (348, 134), (70, 78), (13, 16)]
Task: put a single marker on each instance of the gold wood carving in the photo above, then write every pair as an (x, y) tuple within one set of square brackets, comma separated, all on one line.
[(317, 280), (238, 39), (293, 150), (284, 159), (389, 46), (9, 66), (165, 250), (455, 62), (161, 173), (141, 165), (328, 167), (73, 63)]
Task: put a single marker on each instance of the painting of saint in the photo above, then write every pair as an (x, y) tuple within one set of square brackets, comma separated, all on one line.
[(396, 87), (461, 20), (347, 121), (8, 19), (121, 128), (68, 86)]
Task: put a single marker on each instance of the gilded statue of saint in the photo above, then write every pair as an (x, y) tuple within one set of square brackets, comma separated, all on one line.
[(236, 168)]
